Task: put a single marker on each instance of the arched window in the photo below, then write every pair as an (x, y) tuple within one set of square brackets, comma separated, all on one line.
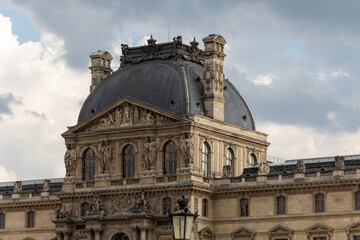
[(357, 200), (252, 160), (166, 205), (205, 160), (2, 220), (244, 207), (281, 205), (229, 157), (204, 207), (170, 158), (85, 207), (89, 165), (30, 219), (128, 163), (120, 236), (319, 202)]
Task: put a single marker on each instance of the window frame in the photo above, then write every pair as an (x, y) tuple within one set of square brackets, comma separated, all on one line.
[(319, 201), (170, 158), (280, 205), (83, 209), (2, 220), (205, 208), (30, 222), (252, 156), (244, 207), (166, 205), (128, 161), (357, 200), (205, 159), (89, 165)]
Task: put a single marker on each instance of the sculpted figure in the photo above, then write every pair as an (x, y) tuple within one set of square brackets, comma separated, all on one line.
[(46, 186), (187, 149), (127, 113), (145, 164), (153, 152), (264, 168), (118, 116), (141, 203), (97, 206), (300, 166), (70, 159), (136, 115), (65, 211), (17, 187), (104, 156), (111, 119), (339, 163), (227, 171)]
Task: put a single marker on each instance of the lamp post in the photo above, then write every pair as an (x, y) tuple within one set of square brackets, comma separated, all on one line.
[(183, 220)]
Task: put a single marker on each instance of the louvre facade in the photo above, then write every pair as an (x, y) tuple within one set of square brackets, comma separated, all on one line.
[(168, 123)]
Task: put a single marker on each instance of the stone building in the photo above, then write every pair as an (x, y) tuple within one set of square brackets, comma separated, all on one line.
[(168, 123)]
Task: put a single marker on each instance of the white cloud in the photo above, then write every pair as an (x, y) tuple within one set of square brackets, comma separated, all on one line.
[(6, 175), (143, 41), (36, 73), (263, 80), (291, 141), (341, 73)]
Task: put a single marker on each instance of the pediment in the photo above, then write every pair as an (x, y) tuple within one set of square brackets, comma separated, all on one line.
[(280, 229), (354, 227), (243, 231), (123, 114), (206, 234), (319, 228)]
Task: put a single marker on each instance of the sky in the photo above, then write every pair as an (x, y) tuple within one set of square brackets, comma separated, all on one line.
[(296, 63)]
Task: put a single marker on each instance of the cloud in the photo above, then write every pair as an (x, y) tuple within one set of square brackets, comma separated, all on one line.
[(5, 101), (6, 175), (50, 91), (263, 80)]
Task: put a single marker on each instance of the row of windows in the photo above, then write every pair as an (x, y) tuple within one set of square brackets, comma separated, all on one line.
[(170, 161), (281, 204), (30, 221)]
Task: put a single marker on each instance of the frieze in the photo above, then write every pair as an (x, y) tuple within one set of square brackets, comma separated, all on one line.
[(126, 115)]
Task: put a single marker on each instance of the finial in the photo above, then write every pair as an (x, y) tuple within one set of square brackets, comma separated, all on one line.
[(151, 40), (194, 43)]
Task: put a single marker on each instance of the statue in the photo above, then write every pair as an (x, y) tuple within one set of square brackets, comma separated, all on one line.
[(17, 187), (149, 154), (264, 168), (300, 166), (70, 159), (227, 172), (141, 203), (104, 156), (65, 211), (118, 116), (46, 185), (127, 113), (339, 163), (187, 149)]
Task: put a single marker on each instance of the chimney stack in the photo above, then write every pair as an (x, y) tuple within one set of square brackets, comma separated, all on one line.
[(214, 76), (100, 67)]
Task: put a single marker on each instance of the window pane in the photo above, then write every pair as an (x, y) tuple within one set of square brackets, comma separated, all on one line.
[(89, 165), (128, 162), (244, 207), (170, 158), (205, 160), (319, 202), (281, 205), (2, 220), (30, 220), (166, 205)]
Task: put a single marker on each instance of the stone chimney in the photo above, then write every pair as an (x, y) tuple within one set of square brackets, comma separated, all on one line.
[(214, 76), (100, 67)]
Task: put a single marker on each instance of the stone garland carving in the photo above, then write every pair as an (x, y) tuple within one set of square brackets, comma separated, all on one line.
[(128, 115), (121, 205), (227, 172), (17, 187), (339, 163), (104, 156), (46, 185), (70, 159), (96, 207), (149, 154), (187, 149), (264, 168), (300, 166)]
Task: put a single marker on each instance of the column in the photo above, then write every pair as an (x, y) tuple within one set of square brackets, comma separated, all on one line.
[(88, 234), (143, 233), (66, 235), (97, 234), (134, 233), (58, 235)]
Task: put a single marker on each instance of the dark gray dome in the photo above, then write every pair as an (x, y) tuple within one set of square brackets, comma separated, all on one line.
[(168, 85)]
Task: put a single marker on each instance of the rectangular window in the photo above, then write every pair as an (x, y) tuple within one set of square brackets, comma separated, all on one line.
[(356, 237), (281, 205), (319, 238), (319, 203), (244, 207), (357, 200)]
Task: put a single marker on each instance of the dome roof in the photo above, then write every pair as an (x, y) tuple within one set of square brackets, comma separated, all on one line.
[(172, 85)]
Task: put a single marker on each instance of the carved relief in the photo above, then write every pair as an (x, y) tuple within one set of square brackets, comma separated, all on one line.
[(264, 168), (300, 166), (141, 203), (70, 159), (96, 207), (187, 149), (227, 172), (17, 187), (121, 205), (104, 156), (128, 115), (339, 163), (67, 210)]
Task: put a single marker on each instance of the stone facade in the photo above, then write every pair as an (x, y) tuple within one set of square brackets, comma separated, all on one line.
[(128, 163)]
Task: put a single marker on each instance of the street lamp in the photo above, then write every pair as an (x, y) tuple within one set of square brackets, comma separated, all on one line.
[(183, 220)]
